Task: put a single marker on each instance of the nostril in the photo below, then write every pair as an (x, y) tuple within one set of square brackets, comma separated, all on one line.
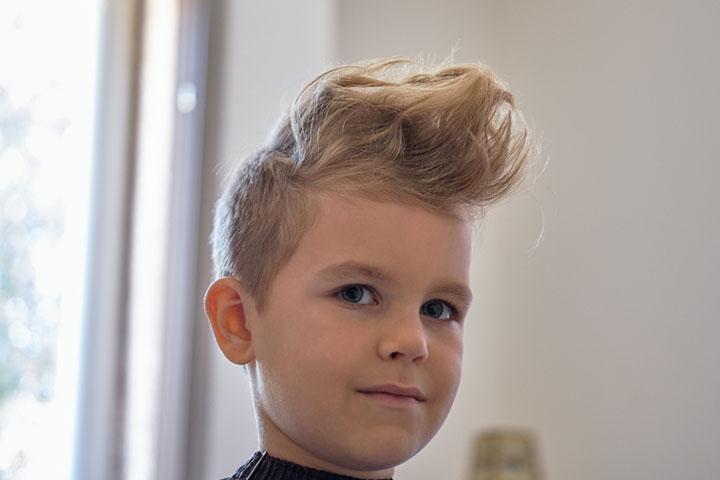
[(395, 355)]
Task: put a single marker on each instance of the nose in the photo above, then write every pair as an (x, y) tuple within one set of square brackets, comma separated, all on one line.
[(404, 338)]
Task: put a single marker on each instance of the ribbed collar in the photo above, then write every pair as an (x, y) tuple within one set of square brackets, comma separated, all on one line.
[(265, 467)]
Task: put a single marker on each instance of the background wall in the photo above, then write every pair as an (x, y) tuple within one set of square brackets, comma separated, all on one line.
[(603, 339)]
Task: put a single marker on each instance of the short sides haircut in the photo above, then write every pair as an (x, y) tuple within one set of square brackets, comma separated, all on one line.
[(447, 138)]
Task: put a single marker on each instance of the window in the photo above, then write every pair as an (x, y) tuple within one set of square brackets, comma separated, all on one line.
[(100, 155), (48, 53)]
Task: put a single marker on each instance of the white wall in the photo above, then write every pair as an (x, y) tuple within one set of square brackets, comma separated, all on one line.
[(608, 335), (603, 339)]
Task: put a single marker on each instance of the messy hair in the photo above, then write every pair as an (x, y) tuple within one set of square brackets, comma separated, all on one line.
[(448, 139)]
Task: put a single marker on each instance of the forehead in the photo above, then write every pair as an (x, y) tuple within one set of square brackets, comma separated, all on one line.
[(405, 241)]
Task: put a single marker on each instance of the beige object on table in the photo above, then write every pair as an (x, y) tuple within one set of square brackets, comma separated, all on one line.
[(506, 454)]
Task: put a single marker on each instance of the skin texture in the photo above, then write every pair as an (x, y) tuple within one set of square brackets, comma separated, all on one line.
[(315, 345)]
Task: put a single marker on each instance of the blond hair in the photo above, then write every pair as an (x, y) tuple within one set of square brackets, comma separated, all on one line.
[(448, 139)]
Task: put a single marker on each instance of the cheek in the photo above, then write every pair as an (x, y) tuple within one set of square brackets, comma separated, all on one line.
[(309, 377), (307, 352), (448, 369)]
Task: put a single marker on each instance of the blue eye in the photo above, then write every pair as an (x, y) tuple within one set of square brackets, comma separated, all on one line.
[(355, 294), (434, 308), (363, 295)]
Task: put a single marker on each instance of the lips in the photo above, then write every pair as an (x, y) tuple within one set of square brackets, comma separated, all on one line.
[(396, 390)]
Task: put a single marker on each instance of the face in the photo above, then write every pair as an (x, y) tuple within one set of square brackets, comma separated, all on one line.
[(373, 298)]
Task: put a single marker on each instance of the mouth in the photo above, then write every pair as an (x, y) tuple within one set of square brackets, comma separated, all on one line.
[(394, 394)]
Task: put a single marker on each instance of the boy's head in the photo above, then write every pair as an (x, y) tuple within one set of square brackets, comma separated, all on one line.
[(342, 251)]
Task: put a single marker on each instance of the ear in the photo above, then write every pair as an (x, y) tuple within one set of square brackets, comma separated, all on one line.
[(225, 307)]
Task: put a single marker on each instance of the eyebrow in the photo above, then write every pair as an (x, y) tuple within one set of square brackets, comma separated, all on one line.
[(351, 269)]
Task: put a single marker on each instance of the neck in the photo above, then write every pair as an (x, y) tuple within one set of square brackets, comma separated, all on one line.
[(280, 446)]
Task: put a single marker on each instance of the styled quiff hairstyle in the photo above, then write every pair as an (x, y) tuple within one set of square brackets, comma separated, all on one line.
[(448, 139)]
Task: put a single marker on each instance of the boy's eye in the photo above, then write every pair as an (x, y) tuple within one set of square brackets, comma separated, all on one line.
[(355, 294), (439, 309)]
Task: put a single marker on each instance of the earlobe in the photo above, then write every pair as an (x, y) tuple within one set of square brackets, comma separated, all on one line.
[(225, 309)]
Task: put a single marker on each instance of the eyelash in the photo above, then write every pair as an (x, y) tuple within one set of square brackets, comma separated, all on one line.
[(453, 309)]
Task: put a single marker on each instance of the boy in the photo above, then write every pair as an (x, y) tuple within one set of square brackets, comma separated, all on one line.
[(342, 250)]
